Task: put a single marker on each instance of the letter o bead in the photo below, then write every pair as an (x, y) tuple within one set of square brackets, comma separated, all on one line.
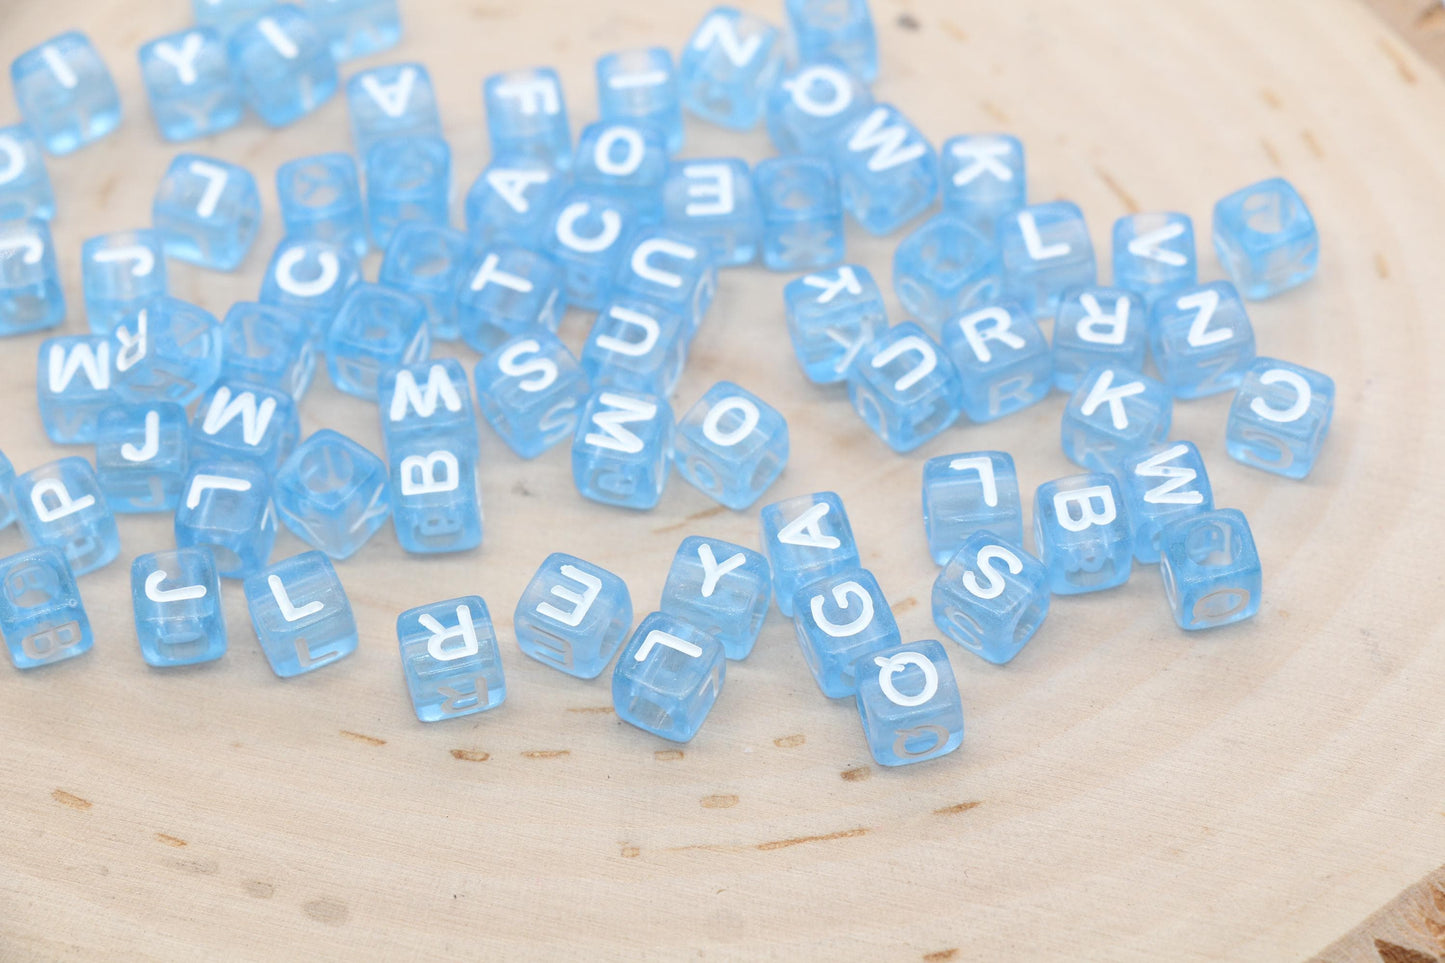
[(909, 704), (991, 597), (450, 659), (731, 445), (573, 615), (1211, 569)]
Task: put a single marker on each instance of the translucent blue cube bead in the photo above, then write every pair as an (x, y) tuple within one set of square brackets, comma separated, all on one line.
[(887, 169), (426, 261), (991, 597), (635, 345), (513, 201), (436, 505), (170, 351), (142, 456), (239, 421), (1202, 340), (189, 84), (25, 189), (176, 596), (1098, 326), (731, 445), (301, 614), (1162, 483), (119, 273), (429, 399), (588, 238), (573, 615), (207, 212), (41, 615), (332, 493), (505, 291), (62, 505), (672, 269), (375, 328), (968, 493), (802, 213), (226, 506), (626, 162), (531, 391), (984, 178), (1154, 254), (1279, 417), (668, 677), (65, 92), (1046, 250), (841, 621), (805, 538), (812, 105), (226, 16), (946, 268), (7, 486), (904, 387), (1211, 569), (909, 704), (840, 29), (311, 279), (283, 64), (1265, 238), (639, 87), (527, 116), (622, 448), (73, 386), (355, 28), (722, 588), (1114, 412), (450, 659), (1003, 359), (407, 179), (831, 316), (728, 66), (712, 199), (267, 346), (320, 200), (1082, 533), (31, 296)]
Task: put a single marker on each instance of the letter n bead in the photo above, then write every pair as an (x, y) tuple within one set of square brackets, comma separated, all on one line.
[(731, 445), (178, 614), (728, 67), (301, 614), (61, 504), (1279, 417), (622, 449), (841, 620), (806, 537), (909, 704), (1202, 340), (905, 388), (721, 588), (668, 677), (41, 615), (991, 597), (450, 659), (573, 615), (1211, 569), (1082, 533)]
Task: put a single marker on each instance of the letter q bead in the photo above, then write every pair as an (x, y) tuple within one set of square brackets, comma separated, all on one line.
[(450, 659), (909, 704), (731, 445)]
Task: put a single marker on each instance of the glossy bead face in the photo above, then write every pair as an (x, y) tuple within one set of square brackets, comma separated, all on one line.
[(712, 200), (207, 212), (1202, 340), (668, 677), (969, 493), (141, 456), (909, 704), (841, 620), (1082, 533), (1098, 326), (622, 448), (812, 105), (1211, 569), (267, 346), (283, 65), (407, 179), (831, 316), (722, 589), (1265, 238), (61, 505), (1279, 417), (169, 351), (805, 538), (527, 116), (728, 67), (310, 278), (506, 291), (189, 84), (1046, 250), (1004, 361), (41, 615), (375, 328), (984, 178), (944, 269), (25, 189), (237, 421), (731, 445), (841, 29), (427, 261), (320, 200), (531, 390), (65, 92), (904, 387), (1154, 255), (332, 493), (355, 28), (513, 202), (226, 506), (635, 345), (301, 614), (72, 386), (671, 269), (431, 399), (450, 659), (991, 597), (887, 169), (1162, 483), (177, 601), (802, 213), (435, 502), (639, 87), (31, 297), (626, 162), (119, 274), (1113, 413), (573, 615), (588, 238)]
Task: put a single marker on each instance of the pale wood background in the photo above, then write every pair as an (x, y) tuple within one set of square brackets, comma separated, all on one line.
[(1125, 791)]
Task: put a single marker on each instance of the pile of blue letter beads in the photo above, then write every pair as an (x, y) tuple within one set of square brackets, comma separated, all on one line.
[(199, 417)]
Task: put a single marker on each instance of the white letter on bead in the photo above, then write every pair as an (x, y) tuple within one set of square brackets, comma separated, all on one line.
[(1100, 328), (612, 435), (601, 241), (287, 281), (393, 97), (581, 601), (978, 337), (254, 420), (406, 393), (886, 142), (1283, 415), (658, 637), (726, 439), (630, 138), (1204, 304), (1177, 476), (642, 260), (465, 630), (545, 369), (984, 466), (1101, 393), (890, 665), (64, 504), (840, 597), (845, 280), (712, 571), (928, 360), (1035, 245), (804, 529), (183, 59), (709, 190), (985, 559), (489, 272), (419, 474), (1083, 499)]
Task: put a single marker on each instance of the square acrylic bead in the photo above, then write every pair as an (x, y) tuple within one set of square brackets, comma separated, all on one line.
[(831, 316), (588, 239), (450, 659), (1003, 360), (969, 493), (1114, 411), (531, 391), (573, 615), (141, 456), (841, 620), (177, 600), (267, 346), (1279, 417), (622, 448), (1082, 533), (189, 84), (73, 386), (1265, 238), (635, 345), (301, 614), (65, 92), (731, 445), (812, 105), (355, 28), (282, 64), (712, 200), (1046, 250), (1162, 483), (407, 179), (226, 506), (432, 399), (909, 704), (61, 505), (207, 212), (1154, 255), (170, 351), (728, 66), (805, 538), (721, 588), (1211, 569), (41, 615), (991, 597), (527, 116), (945, 268), (984, 178), (375, 328), (320, 199), (505, 291), (25, 189), (311, 279), (904, 387), (802, 213), (1098, 326), (436, 505), (7, 485), (119, 274), (839, 29), (1202, 340), (668, 677), (31, 297), (245, 422), (513, 202), (671, 269), (887, 169), (426, 261), (332, 493), (626, 162), (639, 87)]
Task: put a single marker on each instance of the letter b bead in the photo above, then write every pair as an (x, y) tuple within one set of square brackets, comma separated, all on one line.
[(178, 615), (1082, 534), (1280, 417), (909, 704), (573, 615), (1211, 569), (450, 659), (668, 677), (721, 588), (731, 445), (991, 597), (301, 614), (41, 615)]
